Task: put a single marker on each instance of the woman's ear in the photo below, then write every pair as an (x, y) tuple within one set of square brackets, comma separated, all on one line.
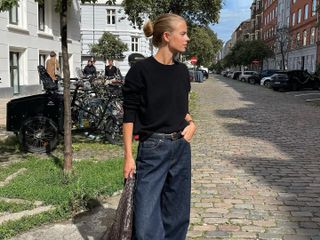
[(166, 36)]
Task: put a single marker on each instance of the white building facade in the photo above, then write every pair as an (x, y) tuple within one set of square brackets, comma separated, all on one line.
[(99, 18), (28, 33)]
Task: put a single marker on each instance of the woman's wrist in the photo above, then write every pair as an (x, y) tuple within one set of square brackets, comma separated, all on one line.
[(190, 121)]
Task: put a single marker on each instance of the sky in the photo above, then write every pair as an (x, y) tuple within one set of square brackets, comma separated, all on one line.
[(232, 14)]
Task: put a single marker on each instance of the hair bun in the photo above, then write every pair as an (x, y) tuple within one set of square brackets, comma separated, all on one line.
[(148, 28)]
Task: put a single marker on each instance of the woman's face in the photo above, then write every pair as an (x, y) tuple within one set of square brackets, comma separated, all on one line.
[(178, 38)]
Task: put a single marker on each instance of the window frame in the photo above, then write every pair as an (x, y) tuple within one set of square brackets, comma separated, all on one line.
[(134, 44), (314, 8), (111, 16), (299, 16), (304, 38), (306, 12), (298, 39), (312, 35), (14, 69), (14, 19), (41, 20), (293, 20)]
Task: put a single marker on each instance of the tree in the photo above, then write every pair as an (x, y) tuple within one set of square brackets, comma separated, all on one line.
[(244, 52), (203, 44), (61, 7), (282, 44), (109, 46), (200, 12)]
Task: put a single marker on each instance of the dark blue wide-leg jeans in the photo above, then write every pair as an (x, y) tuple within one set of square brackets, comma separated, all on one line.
[(163, 186)]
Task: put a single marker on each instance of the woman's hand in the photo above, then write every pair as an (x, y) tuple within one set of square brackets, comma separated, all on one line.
[(129, 167), (188, 131)]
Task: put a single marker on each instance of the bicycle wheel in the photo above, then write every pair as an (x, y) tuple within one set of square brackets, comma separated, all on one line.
[(39, 135), (91, 113), (113, 130)]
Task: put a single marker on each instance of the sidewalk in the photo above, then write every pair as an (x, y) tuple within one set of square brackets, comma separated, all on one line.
[(3, 118), (3, 111)]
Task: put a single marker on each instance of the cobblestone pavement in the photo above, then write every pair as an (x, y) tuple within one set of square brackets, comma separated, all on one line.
[(256, 169), (256, 164)]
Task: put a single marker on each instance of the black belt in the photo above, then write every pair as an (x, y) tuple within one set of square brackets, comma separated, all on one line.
[(171, 136)]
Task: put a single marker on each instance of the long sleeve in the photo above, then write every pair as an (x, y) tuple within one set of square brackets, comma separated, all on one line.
[(132, 94)]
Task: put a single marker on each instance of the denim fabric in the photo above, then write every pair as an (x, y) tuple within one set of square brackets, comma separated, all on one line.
[(163, 186)]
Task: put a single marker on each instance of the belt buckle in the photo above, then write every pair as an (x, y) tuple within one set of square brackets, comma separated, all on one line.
[(175, 136)]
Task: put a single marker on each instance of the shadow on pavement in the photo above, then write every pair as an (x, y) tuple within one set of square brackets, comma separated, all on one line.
[(292, 127), (96, 222)]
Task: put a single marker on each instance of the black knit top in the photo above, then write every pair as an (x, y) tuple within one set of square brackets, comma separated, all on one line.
[(156, 97)]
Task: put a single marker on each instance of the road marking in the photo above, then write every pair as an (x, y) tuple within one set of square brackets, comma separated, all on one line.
[(313, 99), (305, 94), (295, 92)]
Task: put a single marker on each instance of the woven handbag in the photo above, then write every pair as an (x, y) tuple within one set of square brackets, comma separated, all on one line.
[(121, 228)]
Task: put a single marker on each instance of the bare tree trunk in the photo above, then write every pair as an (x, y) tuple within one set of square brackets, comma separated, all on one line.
[(66, 92), (283, 58)]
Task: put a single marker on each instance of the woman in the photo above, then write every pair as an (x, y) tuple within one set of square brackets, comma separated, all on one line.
[(156, 108)]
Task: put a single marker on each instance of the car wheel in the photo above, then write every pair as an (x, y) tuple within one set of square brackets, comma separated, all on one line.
[(39, 135), (252, 81), (243, 79), (315, 86), (294, 85), (267, 84)]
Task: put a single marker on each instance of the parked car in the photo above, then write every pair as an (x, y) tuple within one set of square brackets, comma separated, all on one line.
[(225, 73), (236, 75), (205, 73), (229, 75), (245, 75), (294, 80), (256, 77)]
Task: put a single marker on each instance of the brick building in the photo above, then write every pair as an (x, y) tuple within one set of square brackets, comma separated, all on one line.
[(256, 18), (269, 28), (303, 32), (243, 30)]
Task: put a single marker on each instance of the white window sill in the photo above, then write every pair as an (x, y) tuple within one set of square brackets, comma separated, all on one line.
[(45, 35), (17, 28)]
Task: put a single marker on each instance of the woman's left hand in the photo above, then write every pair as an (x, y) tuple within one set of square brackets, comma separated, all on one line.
[(188, 131)]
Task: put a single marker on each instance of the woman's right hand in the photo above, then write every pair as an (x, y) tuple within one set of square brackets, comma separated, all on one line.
[(129, 167)]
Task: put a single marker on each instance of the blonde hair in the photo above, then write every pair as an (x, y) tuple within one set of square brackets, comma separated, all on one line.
[(163, 23)]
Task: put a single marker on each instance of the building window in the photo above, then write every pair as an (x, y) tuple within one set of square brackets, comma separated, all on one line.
[(314, 7), (299, 16), (304, 40), (294, 1), (13, 15), (42, 61), (111, 16), (14, 72), (298, 39), (306, 11), (312, 35), (134, 44), (41, 17), (293, 19)]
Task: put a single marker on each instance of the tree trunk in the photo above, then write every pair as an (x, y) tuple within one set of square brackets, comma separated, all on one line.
[(66, 91), (283, 58)]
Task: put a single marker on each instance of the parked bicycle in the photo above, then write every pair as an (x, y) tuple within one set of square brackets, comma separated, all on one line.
[(38, 119)]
